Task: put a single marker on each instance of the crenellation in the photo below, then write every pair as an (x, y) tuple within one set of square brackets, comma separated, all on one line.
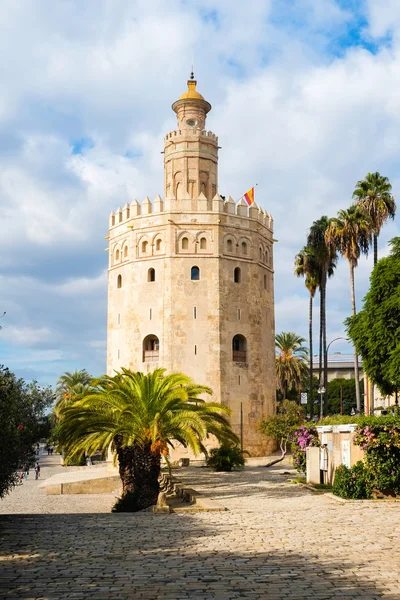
[(202, 203), (111, 219), (158, 204), (241, 208), (217, 203), (135, 208), (146, 206), (229, 205), (118, 215), (126, 212)]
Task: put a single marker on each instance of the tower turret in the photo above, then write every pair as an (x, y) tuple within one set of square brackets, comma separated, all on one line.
[(190, 152)]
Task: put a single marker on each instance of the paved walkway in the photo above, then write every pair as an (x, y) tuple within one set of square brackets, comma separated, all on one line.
[(276, 541)]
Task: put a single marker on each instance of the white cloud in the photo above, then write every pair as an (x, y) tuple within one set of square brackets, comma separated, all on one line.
[(301, 120)]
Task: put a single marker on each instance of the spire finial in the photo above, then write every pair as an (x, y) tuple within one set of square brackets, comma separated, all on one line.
[(192, 73)]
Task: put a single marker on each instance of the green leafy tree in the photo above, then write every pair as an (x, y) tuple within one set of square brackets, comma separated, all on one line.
[(282, 425), (306, 266), (70, 386), (22, 411), (141, 416), (350, 234), (325, 257), (291, 362), (373, 195), (342, 396), (375, 330)]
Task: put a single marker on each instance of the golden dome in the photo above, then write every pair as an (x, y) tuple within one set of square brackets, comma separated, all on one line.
[(191, 93)]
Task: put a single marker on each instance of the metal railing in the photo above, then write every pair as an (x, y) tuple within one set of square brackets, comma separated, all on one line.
[(239, 356), (151, 355)]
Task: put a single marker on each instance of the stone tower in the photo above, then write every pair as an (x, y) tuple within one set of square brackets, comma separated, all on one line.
[(190, 280)]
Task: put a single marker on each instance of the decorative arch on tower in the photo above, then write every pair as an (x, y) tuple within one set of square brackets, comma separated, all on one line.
[(230, 244), (185, 243), (203, 242), (116, 255), (178, 185), (244, 247), (158, 243), (144, 246)]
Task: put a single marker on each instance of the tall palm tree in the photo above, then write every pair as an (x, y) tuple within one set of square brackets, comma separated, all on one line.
[(141, 416), (305, 266), (325, 257), (373, 194), (70, 386), (291, 362), (350, 234)]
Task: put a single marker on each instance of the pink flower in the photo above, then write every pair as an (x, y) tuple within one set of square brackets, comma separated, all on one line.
[(20, 427)]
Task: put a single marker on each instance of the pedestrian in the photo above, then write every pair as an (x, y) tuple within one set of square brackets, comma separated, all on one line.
[(51, 450), (26, 471), (48, 450), (37, 470)]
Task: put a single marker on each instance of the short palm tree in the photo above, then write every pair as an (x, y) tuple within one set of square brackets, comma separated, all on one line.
[(350, 234), (325, 257), (306, 266), (291, 362), (69, 387), (373, 194), (140, 416)]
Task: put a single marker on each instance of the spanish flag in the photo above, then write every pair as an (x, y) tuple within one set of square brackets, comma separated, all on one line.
[(249, 196)]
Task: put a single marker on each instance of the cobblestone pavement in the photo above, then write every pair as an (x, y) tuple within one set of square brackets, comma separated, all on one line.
[(276, 541)]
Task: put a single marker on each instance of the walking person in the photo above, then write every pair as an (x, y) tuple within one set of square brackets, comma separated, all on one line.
[(26, 471), (37, 470)]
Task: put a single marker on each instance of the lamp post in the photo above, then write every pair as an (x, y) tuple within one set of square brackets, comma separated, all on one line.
[(321, 392)]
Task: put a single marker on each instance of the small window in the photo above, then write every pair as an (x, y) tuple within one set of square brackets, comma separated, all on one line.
[(151, 275), (266, 258), (117, 255), (158, 245), (195, 349), (239, 314), (119, 319), (144, 247), (265, 282), (229, 245), (237, 275), (118, 354), (239, 349), (126, 251), (151, 348), (203, 244), (195, 274), (195, 312), (244, 248), (261, 253), (238, 379), (150, 314), (185, 243), (119, 281)]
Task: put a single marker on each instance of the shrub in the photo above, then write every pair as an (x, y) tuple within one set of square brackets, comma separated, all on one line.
[(379, 437), (352, 483), (225, 458), (304, 437)]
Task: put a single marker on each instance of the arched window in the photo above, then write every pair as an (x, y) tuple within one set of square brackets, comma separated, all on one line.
[(265, 282), (239, 348), (195, 274), (144, 247), (203, 244), (266, 258), (244, 248), (151, 348), (119, 281), (261, 253), (158, 245), (117, 255), (237, 275), (151, 275), (126, 251), (229, 245), (185, 243)]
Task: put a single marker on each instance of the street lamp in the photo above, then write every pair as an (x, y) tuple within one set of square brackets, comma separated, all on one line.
[(326, 356), (321, 390)]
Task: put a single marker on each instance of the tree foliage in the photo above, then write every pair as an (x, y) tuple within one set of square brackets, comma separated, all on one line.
[(71, 386), (141, 416), (375, 331), (282, 425), (23, 422), (291, 362)]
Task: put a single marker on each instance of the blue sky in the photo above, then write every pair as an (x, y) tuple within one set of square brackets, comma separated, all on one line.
[(305, 99)]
